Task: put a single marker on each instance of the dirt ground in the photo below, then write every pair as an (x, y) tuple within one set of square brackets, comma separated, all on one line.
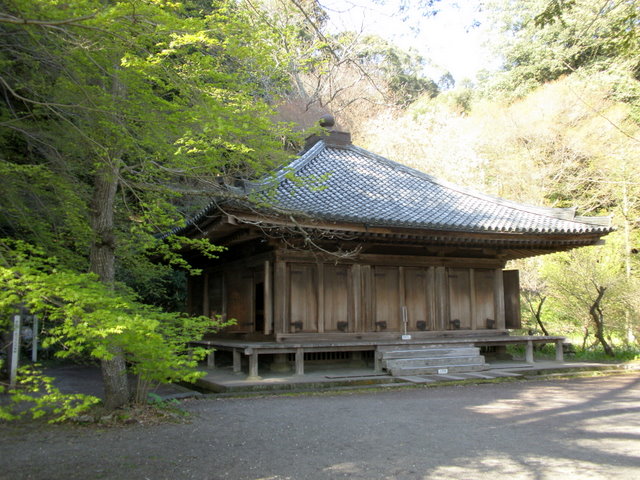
[(553, 429)]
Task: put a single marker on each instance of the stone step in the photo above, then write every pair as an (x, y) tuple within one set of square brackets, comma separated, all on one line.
[(412, 371), (432, 352), (432, 361), (430, 346)]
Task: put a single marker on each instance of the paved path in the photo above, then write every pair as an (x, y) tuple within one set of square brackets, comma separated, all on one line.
[(562, 429)]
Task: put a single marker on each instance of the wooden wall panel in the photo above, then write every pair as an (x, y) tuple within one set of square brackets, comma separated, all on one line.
[(303, 302), (459, 297), (484, 308), (337, 299), (386, 298)]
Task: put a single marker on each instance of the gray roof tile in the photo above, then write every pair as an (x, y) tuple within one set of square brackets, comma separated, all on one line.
[(368, 189)]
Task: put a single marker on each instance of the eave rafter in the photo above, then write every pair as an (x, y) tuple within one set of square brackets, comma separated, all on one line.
[(236, 227)]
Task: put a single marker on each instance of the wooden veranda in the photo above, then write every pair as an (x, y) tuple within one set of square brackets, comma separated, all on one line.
[(299, 346)]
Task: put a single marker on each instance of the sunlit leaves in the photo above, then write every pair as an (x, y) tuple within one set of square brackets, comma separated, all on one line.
[(84, 316)]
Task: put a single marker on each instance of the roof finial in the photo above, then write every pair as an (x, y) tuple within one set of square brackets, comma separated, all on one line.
[(327, 121)]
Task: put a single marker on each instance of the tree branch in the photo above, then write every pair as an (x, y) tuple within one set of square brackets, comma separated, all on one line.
[(47, 23)]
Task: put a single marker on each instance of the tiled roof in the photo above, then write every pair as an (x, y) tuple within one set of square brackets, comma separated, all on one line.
[(368, 189)]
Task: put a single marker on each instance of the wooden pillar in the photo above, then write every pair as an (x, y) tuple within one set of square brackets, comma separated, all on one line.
[(320, 291), (268, 299), (279, 295), (472, 298), (205, 296), (253, 366), (237, 361), (15, 352), (499, 299), (224, 295), (442, 299), (431, 299), (529, 352), (377, 358), (367, 299), (34, 344), (211, 359), (299, 361), (402, 297), (559, 352), (356, 295)]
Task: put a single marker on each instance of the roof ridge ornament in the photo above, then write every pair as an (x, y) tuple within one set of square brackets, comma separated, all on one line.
[(327, 121), (330, 136)]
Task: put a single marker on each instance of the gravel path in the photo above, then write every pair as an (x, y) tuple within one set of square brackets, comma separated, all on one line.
[(565, 429)]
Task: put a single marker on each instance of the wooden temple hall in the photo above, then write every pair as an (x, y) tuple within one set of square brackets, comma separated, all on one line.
[(363, 259)]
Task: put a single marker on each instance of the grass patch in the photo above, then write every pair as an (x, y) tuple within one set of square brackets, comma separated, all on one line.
[(623, 353)]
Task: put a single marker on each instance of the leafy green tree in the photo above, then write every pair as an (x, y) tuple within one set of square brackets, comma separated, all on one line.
[(87, 317), (541, 40), (111, 112), (589, 285)]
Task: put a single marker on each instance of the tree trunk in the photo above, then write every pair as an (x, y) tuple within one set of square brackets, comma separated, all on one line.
[(536, 310), (538, 315), (585, 338), (598, 319), (102, 263), (629, 337)]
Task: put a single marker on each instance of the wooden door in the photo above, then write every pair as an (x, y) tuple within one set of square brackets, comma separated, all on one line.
[(418, 293), (511, 279), (459, 299), (195, 293), (386, 299), (484, 304), (216, 294), (337, 299), (239, 300), (303, 297)]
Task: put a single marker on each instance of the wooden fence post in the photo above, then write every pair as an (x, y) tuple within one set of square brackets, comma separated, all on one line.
[(15, 351)]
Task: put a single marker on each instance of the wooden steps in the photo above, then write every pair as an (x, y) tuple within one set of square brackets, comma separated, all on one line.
[(430, 359)]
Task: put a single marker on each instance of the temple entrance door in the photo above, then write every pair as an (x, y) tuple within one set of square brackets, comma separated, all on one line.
[(418, 298), (484, 286), (239, 300), (338, 299), (303, 299), (386, 299), (459, 299)]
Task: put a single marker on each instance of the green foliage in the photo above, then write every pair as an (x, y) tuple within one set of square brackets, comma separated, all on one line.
[(402, 69), (624, 353), (84, 316), (35, 395), (543, 40), (586, 280), (166, 96), (582, 354)]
